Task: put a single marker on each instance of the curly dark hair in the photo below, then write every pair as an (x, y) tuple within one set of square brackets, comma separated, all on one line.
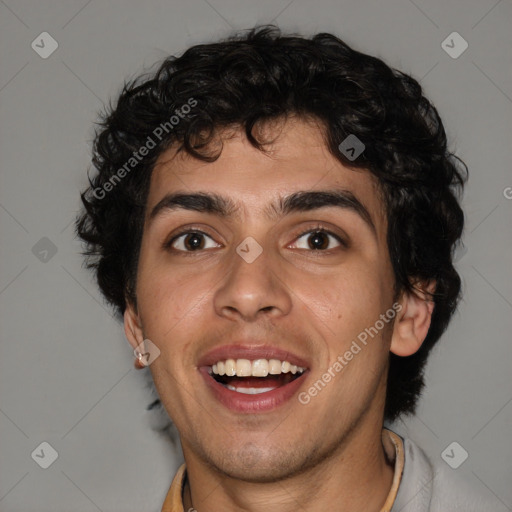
[(261, 75)]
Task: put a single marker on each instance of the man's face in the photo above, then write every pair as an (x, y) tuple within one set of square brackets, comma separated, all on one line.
[(305, 298)]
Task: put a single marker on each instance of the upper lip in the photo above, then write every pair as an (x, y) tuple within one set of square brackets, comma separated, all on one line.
[(250, 351)]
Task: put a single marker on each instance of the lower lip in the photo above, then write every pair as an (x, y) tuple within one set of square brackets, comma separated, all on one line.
[(262, 402)]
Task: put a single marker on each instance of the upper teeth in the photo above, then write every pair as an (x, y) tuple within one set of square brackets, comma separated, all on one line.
[(256, 368)]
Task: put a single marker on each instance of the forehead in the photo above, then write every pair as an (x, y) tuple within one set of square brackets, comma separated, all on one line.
[(296, 160)]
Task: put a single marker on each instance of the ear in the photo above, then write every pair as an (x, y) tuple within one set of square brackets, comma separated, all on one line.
[(413, 320), (133, 326)]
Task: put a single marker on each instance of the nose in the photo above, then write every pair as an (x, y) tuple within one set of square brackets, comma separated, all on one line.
[(250, 290)]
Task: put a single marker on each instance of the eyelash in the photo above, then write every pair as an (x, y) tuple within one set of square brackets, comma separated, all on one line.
[(190, 230)]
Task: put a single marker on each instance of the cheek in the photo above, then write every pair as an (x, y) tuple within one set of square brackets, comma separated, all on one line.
[(347, 306), (352, 296), (168, 296), (170, 309)]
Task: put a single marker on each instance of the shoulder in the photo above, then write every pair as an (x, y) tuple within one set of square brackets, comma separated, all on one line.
[(429, 487)]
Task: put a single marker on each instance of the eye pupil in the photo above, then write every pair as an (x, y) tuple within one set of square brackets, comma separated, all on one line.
[(198, 241), (317, 237)]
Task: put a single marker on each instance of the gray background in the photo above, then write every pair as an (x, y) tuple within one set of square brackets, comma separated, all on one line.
[(66, 374)]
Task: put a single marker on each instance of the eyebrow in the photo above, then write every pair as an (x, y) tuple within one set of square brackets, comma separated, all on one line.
[(301, 201)]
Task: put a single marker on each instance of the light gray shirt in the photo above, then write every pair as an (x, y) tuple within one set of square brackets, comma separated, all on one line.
[(428, 487)]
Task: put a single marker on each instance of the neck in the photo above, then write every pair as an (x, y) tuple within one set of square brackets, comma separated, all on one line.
[(356, 476)]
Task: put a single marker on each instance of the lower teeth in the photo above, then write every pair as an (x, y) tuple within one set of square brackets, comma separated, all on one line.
[(249, 391)]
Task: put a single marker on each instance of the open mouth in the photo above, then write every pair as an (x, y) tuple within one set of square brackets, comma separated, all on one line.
[(254, 377)]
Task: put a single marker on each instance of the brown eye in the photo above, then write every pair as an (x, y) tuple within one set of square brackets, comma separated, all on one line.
[(319, 240), (190, 241)]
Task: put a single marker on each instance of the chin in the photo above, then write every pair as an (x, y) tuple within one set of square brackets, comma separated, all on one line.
[(257, 464)]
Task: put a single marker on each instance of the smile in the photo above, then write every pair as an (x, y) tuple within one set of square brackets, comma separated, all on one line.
[(254, 377), (253, 384)]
